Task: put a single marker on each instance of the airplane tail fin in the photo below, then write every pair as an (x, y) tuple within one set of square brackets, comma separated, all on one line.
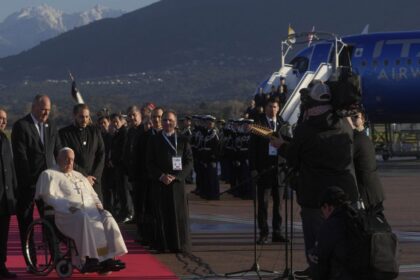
[(366, 29)]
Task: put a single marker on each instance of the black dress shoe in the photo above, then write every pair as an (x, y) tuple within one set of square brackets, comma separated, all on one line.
[(91, 265), (5, 273), (111, 265), (279, 238), (262, 240), (303, 274)]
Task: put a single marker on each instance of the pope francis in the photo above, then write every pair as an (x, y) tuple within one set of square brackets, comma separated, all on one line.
[(79, 215)]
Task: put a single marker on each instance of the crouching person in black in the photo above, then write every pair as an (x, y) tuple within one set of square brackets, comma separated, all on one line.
[(332, 247)]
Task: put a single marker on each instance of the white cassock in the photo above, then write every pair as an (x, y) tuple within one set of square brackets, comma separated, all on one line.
[(95, 233)]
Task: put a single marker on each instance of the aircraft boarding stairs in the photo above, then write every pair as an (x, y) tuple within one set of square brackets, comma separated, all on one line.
[(290, 111)]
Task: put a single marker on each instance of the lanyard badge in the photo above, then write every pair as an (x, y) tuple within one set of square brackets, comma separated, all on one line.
[(176, 160)]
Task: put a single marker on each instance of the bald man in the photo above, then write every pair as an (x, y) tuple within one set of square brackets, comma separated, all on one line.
[(35, 143)]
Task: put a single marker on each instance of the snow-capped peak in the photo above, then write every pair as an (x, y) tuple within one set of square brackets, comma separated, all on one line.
[(48, 16), (29, 26), (96, 13)]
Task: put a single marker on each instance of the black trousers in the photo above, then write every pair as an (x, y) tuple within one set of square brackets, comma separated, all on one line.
[(24, 214), (4, 229), (123, 187), (210, 185), (108, 190), (263, 199), (4, 233)]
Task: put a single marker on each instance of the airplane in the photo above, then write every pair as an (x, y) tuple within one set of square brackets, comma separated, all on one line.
[(388, 65)]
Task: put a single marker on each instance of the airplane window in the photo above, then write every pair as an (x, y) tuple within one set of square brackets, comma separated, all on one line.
[(386, 62), (397, 62), (409, 61), (375, 62), (364, 63)]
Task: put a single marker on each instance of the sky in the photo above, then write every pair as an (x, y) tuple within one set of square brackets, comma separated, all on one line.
[(8, 7)]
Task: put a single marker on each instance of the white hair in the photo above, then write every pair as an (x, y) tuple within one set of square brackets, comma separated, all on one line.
[(65, 149)]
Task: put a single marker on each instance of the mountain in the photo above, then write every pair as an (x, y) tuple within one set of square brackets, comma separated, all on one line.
[(28, 27), (192, 55), (175, 33)]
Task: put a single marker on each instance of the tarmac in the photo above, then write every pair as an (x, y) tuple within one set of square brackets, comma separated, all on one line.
[(223, 232)]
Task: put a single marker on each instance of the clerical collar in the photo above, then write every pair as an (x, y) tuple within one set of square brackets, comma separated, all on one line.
[(169, 134), (79, 128)]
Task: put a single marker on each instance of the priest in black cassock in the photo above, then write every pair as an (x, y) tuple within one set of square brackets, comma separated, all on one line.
[(86, 141), (169, 161)]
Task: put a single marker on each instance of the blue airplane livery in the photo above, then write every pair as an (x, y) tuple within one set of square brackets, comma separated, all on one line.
[(388, 65)]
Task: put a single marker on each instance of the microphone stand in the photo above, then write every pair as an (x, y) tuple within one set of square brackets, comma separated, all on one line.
[(288, 271), (255, 266)]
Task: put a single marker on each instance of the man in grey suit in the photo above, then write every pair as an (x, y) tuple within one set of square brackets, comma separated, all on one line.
[(35, 141)]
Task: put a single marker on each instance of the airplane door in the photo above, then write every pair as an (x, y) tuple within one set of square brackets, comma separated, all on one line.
[(320, 54)]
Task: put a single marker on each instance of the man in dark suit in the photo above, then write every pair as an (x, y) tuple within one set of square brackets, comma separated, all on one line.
[(264, 162), (8, 187), (86, 141), (35, 141), (169, 161), (133, 162), (122, 184)]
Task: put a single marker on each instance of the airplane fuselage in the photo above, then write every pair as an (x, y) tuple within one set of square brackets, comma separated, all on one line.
[(389, 67)]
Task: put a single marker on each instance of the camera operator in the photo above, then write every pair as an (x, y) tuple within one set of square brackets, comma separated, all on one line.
[(329, 256), (321, 153)]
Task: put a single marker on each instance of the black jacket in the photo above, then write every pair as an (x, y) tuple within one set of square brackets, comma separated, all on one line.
[(8, 186), (134, 153), (260, 160), (321, 151), (31, 157), (368, 182), (159, 157), (89, 149), (118, 145)]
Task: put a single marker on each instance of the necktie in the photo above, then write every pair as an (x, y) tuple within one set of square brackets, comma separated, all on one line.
[(41, 131), (272, 125)]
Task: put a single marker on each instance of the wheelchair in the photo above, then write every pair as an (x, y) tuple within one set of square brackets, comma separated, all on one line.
[(46, 248)]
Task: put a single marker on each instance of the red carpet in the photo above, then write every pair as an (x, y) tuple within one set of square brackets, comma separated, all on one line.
[(140, 264)]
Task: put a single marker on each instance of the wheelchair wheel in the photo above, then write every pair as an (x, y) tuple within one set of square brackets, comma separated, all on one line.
[(64, 268), (41, 247)]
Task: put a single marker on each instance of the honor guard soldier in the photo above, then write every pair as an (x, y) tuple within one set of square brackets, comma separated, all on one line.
[(186, 129), (224, 136), (241, 165), (209, 153), (229, 153), (196, 142)]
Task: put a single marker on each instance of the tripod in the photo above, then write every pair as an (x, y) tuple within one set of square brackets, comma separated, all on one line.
[(255, 266)]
